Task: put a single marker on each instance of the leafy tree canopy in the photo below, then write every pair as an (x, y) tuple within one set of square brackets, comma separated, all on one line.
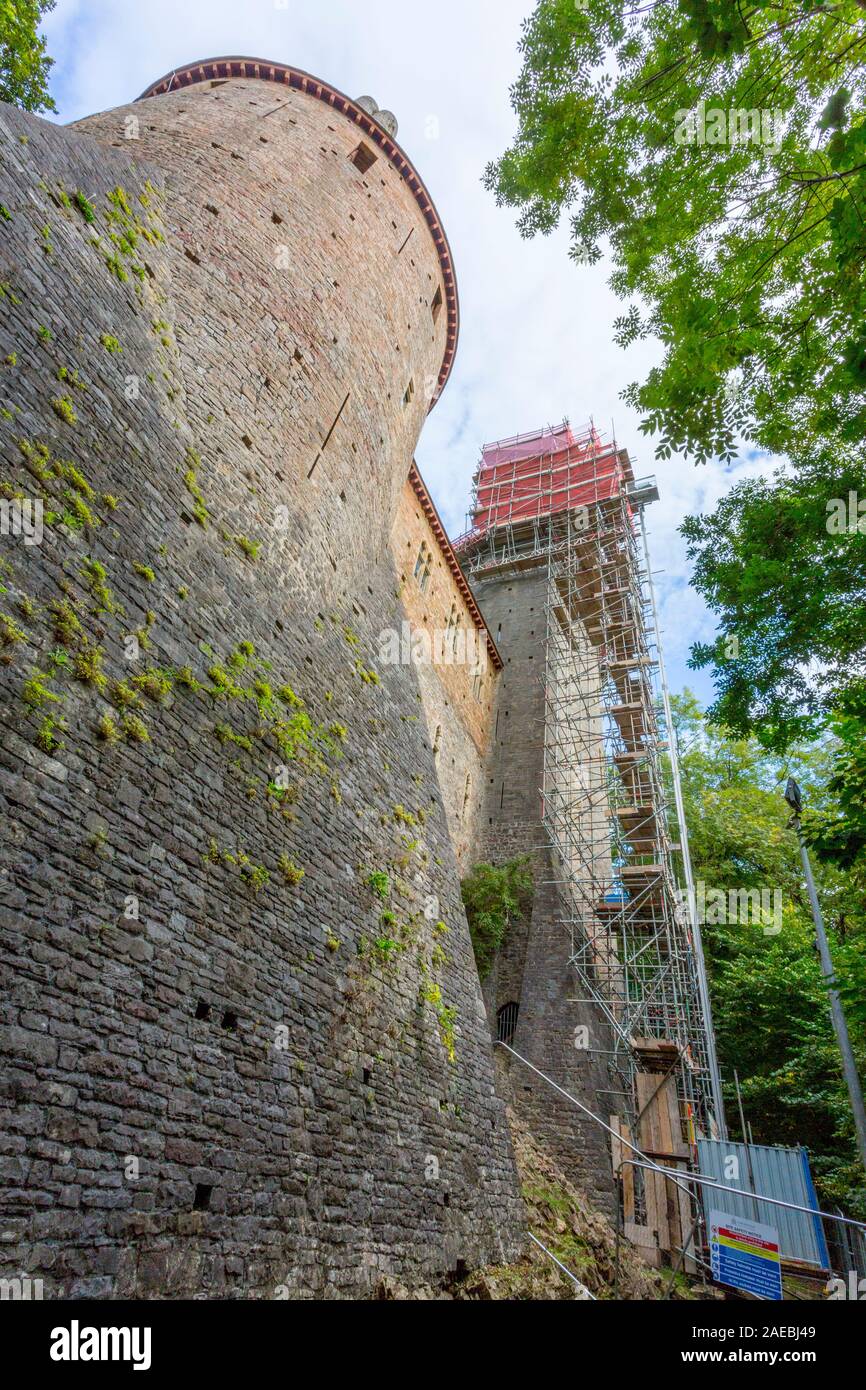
[(719, 150), (770, 1005), (790, 596), (24, 64)]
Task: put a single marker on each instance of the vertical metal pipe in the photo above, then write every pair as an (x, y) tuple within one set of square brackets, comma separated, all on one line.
[(740, 1105), (849, 1066)]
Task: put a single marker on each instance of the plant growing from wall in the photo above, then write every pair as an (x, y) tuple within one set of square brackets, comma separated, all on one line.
[(493, 894), (380, 883)]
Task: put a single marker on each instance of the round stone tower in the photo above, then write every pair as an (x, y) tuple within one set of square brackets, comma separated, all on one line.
[(316, 305), (242, 1042)]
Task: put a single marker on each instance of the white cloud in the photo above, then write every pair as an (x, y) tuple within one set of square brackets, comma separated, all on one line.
[(536, 339)]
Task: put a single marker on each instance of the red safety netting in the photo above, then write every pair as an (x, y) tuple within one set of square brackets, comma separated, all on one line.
[(542, 473)]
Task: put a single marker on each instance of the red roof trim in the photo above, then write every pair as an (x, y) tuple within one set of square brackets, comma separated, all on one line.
[(203, 71), (439, 532)]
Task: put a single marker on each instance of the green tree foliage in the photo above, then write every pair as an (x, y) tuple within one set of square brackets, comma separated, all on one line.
[(770, 1006), (493, 894), (790, 597), (718, 150), (24, 64), (791, 594)]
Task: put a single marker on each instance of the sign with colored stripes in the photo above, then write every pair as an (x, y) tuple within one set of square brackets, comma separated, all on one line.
[(745, 1255)]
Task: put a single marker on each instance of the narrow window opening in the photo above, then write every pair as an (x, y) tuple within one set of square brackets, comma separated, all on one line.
[(467, 791), (436, 306), (506, 1023), (367, 1076), (423, 567), (410, 392), (451, 628), (201, 1201), (363, 158), (202, 1010), (437, 741), (230, 1020)]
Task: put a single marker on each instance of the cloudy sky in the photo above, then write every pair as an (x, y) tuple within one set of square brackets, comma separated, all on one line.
[(536, 336)]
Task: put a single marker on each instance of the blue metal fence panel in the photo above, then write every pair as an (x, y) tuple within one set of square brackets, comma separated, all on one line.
[(772, 1172)]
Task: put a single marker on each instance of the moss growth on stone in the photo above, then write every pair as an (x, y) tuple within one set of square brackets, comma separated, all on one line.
[(380, 883), (36, 694), (96, 577), (85, 207), (249, 548), (77, 514), (10, 632), (72, 377), (64, 409), (155, 684), (65, 623), (226, 734), (290, 870), (184, 676), (122, 695), (134, 729), (445, 1016), (87, 666), (108, 730), (63, 468), (143, 633), (46, 737), (190, 479), (367, 675)]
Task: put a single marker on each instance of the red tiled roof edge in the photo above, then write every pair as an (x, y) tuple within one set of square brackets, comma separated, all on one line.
[(214, 69), (445, 546)]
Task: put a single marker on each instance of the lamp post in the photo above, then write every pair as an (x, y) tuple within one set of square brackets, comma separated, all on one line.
[(795, 801)]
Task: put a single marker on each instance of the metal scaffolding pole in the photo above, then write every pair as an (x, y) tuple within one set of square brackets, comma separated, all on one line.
[(712, 1058), (567, 507)]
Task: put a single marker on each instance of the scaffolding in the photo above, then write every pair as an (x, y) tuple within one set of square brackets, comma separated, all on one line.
[(568, 505)]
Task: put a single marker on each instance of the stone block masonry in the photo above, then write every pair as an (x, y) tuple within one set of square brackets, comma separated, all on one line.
[(458, 667), (239, 1059), (532, 969)]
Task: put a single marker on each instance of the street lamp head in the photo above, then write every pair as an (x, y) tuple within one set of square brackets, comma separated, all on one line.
[(793, 797)]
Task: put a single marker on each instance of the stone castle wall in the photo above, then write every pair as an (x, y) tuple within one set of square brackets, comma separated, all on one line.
[(532, 969), (221, 1078), (459, 701)]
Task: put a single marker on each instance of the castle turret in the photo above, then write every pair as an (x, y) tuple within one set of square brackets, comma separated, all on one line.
[(316, 300)]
